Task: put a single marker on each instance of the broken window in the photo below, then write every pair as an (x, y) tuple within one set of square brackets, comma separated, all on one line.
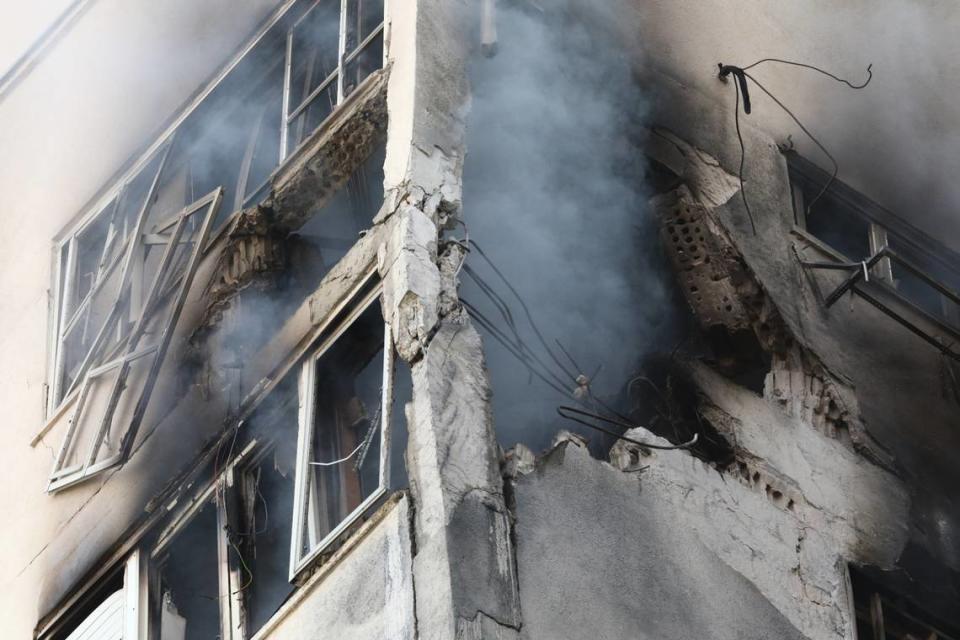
[(343, 442), (110, 611), (188, 583), (855, 228), (330, 51), (883, 614), (266, 515), (233, 136), (333, 229), (129, 330)]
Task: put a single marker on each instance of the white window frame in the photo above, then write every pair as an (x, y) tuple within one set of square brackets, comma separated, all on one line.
[(65, 275), (303, 474), (132, 349), (56, 399), (344, 58)]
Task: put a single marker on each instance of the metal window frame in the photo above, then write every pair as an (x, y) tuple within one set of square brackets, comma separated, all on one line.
[(220, 493), (882, 225), (290, 113), (95, 207), (63, 324), (305, 432), (132, 350)]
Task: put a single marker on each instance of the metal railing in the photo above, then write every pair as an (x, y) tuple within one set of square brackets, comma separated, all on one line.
[(861, 274)]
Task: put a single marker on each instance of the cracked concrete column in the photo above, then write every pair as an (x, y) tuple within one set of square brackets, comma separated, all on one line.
[(464, 567)]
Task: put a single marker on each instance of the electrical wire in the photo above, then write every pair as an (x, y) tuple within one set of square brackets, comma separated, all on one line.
[(516, 347), (743, 154), (817, 69), (741, 85), (526, 310), (563, 410)]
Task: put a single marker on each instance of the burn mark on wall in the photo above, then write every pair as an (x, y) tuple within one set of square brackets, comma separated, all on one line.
[(744, 331)]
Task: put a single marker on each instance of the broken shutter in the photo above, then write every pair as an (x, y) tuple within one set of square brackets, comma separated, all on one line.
[(114, 393), (105, 623)]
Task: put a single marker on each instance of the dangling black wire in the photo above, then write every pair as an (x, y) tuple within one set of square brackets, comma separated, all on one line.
[(818, 70), (740, 73), (743, 153), (526, 311)]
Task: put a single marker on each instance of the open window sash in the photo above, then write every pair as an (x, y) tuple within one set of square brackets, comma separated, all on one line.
[(312, 532), (124, 379), (88, 321)]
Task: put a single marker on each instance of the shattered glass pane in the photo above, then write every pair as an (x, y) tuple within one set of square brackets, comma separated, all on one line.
[(189, 607), (90, 245), (88, 420)]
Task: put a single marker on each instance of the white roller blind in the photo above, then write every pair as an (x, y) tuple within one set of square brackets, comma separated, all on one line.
[(105, 623)]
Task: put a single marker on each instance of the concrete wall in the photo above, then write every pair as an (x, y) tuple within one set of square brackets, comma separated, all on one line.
[(364, 591), (660, 544)]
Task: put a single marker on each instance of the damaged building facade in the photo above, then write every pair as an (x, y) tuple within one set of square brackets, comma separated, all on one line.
[(256, 370)]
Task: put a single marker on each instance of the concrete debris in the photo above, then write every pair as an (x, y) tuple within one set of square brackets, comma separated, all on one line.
[(723, 292), (325, 161), (709, 183), (568, 436), (708, 272), (254, 256), (518, 461)]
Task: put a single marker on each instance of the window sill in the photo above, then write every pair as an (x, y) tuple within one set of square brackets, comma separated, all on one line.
[(318, 572)]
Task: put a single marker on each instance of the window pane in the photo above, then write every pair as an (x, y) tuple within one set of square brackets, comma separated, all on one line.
[(402, 395), (312, 117), (345, 452), (266, 153), (90, 245), (367, 61), (915, 289), (88, 421), (363, 17), (315, 47), (838, 225), (189, 594), (268, 498)]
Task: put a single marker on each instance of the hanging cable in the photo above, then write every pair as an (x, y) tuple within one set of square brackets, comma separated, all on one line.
[(563, 411), (514, 344), (526, 310), (740, 73)]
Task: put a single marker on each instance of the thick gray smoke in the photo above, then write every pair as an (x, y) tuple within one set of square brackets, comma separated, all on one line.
[(554, 195)]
